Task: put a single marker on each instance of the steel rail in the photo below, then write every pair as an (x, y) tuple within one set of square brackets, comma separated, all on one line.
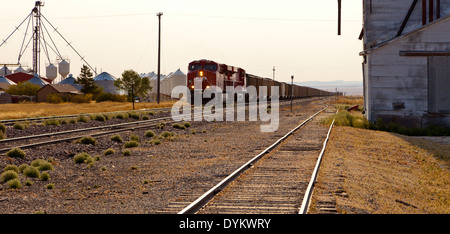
[(76, 115), (309, 190), (78, 136), (81, 130), (206, 197)]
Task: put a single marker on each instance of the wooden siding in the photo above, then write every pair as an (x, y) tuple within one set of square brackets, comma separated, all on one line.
[(394, 79)]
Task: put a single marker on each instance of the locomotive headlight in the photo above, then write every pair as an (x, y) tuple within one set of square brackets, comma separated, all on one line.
[(207, 87), (192, 87), (201, 73)]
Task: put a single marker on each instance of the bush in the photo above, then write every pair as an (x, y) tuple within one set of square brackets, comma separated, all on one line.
[(44, 176), (149, 134), (88, 140), (14, 184), (8, 175), (45, 166), (161, 125), (100, 118), (134, 138), (31, 171), (55, 98), (145, 118), (53, 122), (155, 142), (16, 153), (134, 115), (167, 134), (109, 152), (83, 158), (126, 153), (19, 126), (49, 186), (122, 116), (2, 135), (11, 168), (22, 167), (82, 119), (117, 138), (131, 144), (187, 124), (2, 128), (178, 126)]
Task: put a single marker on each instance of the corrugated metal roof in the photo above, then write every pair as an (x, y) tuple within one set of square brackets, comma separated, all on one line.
[(71, 80), (6, 80), (38, 81), (104, 76)]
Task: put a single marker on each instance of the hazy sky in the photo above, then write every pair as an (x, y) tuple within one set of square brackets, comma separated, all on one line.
[(298, 37)]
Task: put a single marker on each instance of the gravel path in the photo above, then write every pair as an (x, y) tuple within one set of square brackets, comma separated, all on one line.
[(151, 177)]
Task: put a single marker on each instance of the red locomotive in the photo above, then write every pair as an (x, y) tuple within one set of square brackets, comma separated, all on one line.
[(209, 73)]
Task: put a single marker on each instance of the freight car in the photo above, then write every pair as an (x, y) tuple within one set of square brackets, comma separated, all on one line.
[(206, 74)]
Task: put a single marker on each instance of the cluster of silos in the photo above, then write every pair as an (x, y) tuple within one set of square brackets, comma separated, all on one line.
[(167, 83), (6, 71), (51, 71)]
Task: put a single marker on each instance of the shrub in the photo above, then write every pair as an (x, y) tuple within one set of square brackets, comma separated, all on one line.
[(16, 153), (134, 138), (2, 135), (14, 184), (167, 134), (32, 172), (50, 186), (19, 126), (100, 118), (53, 122), (28, 183), (8, 175), (187, 124), (155, 142), (11, 168), (149, 134), (82, 119), (109, 152), (145, 118), (161, 125), (126, 153), (44, 176), (131, 144), (22, 167), (122, 116), (83, 158), (178, 126), (134, 115), (88, 140), (55, 98), (117, 138), (2, 128), (45, 166), (103, 97), (151, 113)]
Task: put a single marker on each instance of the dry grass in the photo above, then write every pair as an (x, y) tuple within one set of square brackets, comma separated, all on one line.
[(28, 110), (380, 172)]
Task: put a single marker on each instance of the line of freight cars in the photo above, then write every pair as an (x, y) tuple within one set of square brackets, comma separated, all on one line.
[(286, 90)]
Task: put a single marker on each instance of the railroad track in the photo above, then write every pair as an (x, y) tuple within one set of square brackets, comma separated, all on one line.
[(274, 181), (78, 133)]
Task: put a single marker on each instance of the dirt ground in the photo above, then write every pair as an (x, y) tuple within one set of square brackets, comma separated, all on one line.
[(373, 172)]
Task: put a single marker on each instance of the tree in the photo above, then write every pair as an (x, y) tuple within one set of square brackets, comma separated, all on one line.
[(23, 88), (87, 81), (131, 80)]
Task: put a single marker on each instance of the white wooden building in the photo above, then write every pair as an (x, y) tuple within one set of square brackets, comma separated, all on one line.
[(407, 61)]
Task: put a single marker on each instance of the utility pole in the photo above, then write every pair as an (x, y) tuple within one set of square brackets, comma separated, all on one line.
[(273, 73), (292, 87), (339, 16), (159, 58)]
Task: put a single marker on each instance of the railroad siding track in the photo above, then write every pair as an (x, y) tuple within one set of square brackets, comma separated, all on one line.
[(277, 183)]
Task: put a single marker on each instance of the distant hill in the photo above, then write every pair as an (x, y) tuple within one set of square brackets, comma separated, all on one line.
[(347, 87)]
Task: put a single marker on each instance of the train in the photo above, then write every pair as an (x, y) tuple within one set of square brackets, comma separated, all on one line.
[(206, 74)]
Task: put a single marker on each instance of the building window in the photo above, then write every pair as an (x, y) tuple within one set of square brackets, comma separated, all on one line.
[(439, 84)]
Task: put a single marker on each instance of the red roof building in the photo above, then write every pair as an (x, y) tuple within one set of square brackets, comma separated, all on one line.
[(22, 77)]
